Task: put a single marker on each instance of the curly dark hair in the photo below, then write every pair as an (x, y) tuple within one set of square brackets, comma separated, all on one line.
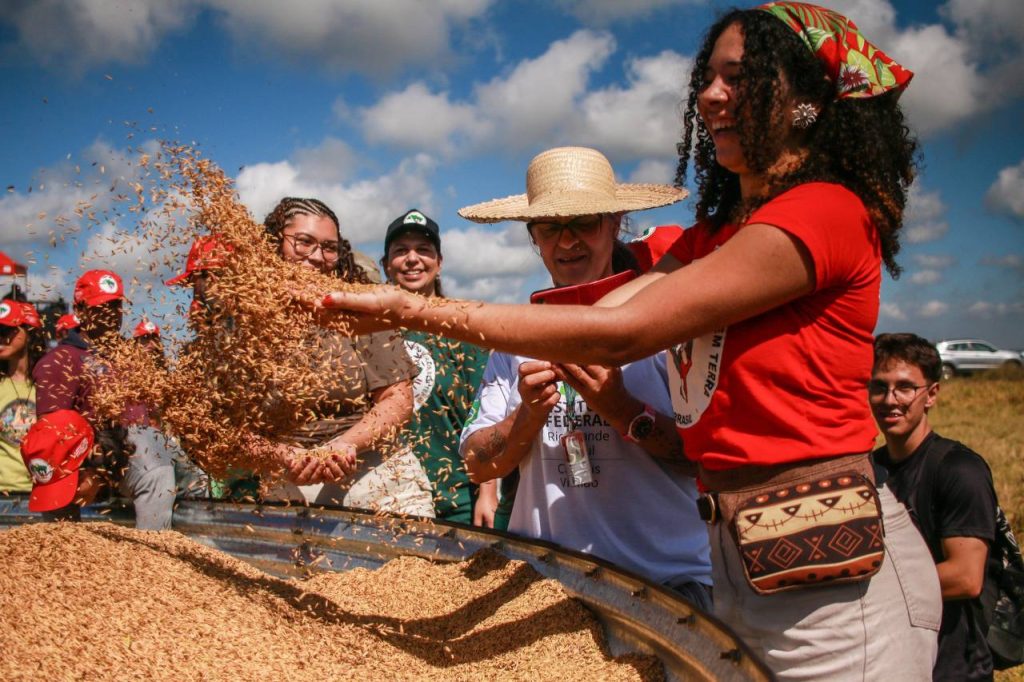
[(863, 144), (282, 214)]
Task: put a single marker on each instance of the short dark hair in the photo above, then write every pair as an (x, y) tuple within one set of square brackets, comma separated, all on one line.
[(911, 349)]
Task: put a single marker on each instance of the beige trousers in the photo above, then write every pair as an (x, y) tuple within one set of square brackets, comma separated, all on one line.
[(885, 628)]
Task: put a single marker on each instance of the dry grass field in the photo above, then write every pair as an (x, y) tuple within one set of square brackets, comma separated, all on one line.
[(986, 412)]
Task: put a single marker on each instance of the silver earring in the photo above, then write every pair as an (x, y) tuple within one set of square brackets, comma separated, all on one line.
[(804, 116)]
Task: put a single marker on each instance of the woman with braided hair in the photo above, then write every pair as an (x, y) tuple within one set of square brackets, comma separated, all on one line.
[(802, 163), (359, 421)]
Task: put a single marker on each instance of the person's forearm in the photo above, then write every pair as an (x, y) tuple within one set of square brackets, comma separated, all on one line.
[(380, 426), (495, 451), (544, 332)]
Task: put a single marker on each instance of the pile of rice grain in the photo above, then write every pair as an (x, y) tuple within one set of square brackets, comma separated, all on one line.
[(98, 601)]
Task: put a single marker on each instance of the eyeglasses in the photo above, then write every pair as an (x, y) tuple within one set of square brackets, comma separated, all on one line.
[(904, 393), (303, 245), (551, 232)]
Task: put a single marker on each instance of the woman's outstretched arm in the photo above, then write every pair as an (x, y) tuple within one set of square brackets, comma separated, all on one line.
[(758, 269)]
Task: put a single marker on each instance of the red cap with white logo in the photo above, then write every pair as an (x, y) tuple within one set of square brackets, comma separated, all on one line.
[(97, 287), (17, 313), (67, 322), (54, 449), (146, 328)]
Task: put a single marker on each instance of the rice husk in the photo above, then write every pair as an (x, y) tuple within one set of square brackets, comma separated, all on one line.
[(242, 381), (99, 601)]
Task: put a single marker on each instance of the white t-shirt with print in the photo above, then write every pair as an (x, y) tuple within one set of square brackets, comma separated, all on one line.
[(637, 512)]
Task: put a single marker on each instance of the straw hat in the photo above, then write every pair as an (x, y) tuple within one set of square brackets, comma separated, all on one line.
[(572, 181)]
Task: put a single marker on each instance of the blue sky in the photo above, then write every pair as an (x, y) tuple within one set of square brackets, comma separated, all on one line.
[(376, 107)]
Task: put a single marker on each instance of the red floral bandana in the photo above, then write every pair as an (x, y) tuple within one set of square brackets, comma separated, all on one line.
[(858, 68)]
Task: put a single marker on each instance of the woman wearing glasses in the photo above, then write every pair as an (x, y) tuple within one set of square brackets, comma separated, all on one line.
[(601, 467), (359, 421)]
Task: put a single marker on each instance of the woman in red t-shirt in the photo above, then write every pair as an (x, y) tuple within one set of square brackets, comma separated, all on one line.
[(802, 162)]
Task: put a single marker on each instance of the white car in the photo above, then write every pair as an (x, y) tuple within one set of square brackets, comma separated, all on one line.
[(960, 356)]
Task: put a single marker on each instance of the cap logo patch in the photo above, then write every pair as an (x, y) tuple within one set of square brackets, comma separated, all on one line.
[(415, 218), (108, 284), (149, 326), (41, 470), (5, 309), (80, 449)]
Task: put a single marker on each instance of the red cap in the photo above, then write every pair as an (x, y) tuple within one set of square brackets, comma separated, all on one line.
[(654, 243), (53, 450), (97, 287), (146, 328), (206, 254), (17, 313), (66, 322)]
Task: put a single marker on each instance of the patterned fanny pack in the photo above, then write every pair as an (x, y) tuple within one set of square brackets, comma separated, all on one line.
[(813, 526)]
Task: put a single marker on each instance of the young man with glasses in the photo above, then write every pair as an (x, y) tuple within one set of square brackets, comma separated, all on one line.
[(947, 487)]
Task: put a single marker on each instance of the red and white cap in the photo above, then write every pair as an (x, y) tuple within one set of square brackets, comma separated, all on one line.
[(17, 313), (97, 287), (54, 449), (67, 322), (145, 328), (207, 253)]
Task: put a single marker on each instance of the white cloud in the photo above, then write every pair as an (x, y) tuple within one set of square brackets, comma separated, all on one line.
[(364, 36), (79, 34), (1006, 195), (925, 277), (540, 102), (653, 171), (493, 289), (934, 309), (951, 84), (933, 261), (54, 283), (540, 94), (485, 263), (924, 217), (947, 87), (602, 12), (138, 257), (892, 311), (994, 33), (641, 119), (364, 207), (66, 199), (1010, 261), (525, 109), (416, 118), (331, 161), (989, 310), (478, 251)]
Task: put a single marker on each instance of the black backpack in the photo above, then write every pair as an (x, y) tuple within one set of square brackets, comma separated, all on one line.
[(1002, 599)]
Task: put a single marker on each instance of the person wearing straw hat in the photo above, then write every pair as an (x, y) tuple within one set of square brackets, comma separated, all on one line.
[(21, 345), (803, 162), (600, 465)]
